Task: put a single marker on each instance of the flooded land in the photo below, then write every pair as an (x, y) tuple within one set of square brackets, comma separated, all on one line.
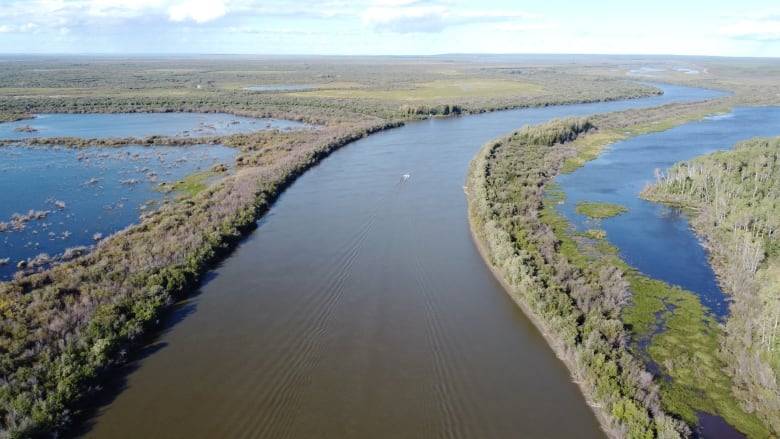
[(67, 198), (137, 125)]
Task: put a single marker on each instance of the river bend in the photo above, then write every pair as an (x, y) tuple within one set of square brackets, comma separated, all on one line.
[(360, 307)]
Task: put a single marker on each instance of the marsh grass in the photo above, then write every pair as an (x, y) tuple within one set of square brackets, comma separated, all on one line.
[(684, 340), (599, 210), (192, 184)]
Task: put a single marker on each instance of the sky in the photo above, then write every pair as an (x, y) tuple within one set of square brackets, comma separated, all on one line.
[(747, 28)]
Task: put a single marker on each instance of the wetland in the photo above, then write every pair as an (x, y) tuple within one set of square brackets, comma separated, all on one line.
[(362, 310), (339, 296)]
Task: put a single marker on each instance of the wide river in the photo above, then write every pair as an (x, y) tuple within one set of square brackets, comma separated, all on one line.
[(359, 308)]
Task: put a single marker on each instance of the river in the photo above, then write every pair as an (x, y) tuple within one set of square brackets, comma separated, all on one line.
[(360, 307)]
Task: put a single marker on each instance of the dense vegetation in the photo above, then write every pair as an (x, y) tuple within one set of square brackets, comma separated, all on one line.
[(576, 304), (734, 198)]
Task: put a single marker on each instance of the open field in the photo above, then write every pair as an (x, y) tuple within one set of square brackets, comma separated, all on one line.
[(437, 90)]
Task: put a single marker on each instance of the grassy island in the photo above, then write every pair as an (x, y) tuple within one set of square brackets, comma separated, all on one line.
[(599, 210)]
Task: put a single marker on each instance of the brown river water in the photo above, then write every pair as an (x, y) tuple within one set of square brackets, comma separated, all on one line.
[(360, 308)]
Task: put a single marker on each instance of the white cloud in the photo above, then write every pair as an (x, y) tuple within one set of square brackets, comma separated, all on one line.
[(408, 16), (199, 11), (767, 29), (124, 8), (23, 28), (75, 13), (407, 19), (522, 27)]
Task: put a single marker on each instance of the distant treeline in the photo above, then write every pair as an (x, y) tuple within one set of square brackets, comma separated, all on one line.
[(734, 198)]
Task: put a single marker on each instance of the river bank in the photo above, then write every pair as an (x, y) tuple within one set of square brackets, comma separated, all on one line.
[(675, 397), (556, 344), (580, 316), (145, 268)]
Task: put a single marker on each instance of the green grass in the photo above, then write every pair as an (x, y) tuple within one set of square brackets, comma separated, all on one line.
[(595, 234), (191, 185), (589, 147), (686, 349), (599, 210)]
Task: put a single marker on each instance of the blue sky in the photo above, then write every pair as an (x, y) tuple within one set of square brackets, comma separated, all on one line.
[(391, 27)]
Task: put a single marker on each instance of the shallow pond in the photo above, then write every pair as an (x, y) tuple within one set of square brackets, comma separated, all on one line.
[(361, 308), (138, 125), (79, 195)]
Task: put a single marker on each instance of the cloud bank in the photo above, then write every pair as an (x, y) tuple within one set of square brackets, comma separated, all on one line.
[(408, 16), (761, 29)]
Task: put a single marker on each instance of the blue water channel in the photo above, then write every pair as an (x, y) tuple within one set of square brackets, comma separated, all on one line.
[(652, 237)]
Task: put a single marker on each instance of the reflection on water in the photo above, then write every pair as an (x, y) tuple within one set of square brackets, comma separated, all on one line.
[(59, 198), (138, 125)]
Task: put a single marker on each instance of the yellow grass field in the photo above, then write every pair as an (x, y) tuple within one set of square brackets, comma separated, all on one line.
[(439, 89)]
